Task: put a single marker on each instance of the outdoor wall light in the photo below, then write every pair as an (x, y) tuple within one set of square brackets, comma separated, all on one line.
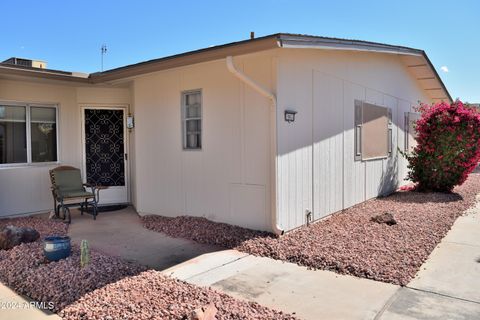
[(290, 115), (130, 122)]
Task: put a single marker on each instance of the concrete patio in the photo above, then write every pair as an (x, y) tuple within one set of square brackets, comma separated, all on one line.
[(121, 233)]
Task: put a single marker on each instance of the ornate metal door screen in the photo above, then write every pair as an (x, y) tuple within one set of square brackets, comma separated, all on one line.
[(104, 147)]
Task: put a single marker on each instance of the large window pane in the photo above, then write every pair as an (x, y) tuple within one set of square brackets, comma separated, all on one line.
[(13, 137), (43, 128)]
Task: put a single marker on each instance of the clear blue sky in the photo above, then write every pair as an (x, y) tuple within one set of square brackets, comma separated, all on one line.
[(69, 34)]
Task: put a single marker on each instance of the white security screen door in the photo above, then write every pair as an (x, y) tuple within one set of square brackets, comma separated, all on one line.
[(105, 152)]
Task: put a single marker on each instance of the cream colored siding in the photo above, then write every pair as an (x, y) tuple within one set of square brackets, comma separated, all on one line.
[(228, 180), (26, 189), (322, 86)]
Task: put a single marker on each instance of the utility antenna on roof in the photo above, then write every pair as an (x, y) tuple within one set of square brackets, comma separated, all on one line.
[(103, 50)]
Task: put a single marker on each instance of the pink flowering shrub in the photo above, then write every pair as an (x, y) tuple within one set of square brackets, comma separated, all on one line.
[(448, 149)]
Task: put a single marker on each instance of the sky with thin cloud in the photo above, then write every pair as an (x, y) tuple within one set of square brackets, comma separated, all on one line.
[(69, 34)]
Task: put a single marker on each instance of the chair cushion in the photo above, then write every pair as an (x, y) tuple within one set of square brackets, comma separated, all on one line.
[(68, 180), (75, 194)]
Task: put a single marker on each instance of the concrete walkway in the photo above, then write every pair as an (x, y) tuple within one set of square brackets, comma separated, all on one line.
[(16, 307), (121, 233), (448, 284), (287, 287), (447, 287)]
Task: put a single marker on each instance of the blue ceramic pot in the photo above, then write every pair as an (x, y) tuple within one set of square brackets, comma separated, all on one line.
[(57, 247)]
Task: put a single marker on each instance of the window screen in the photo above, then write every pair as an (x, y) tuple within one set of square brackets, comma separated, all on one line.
[(373, 137), (192, 119), (43, 129), (13, 134), (410, 132)]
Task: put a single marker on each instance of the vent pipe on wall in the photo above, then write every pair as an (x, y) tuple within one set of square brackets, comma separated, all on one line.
[(273, 99)]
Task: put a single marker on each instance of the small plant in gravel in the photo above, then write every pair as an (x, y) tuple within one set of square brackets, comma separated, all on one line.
[(448, 146), (84, 254)]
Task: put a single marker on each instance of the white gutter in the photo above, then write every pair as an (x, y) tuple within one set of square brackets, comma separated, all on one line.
[(273, 99)]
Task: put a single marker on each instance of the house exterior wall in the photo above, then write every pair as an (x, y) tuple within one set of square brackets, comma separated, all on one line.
[(26, 188), (229, 179), (252, 162), (316, 170)]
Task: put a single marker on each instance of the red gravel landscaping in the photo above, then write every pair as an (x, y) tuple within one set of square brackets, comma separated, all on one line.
[(108, 287), (152, 295), (25, 270), (44, 226), (348, 242), (202, 230)]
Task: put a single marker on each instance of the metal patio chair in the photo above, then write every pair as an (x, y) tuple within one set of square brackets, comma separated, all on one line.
[(68, 191)]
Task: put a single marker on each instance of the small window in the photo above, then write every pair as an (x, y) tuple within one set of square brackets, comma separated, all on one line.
[(373, 135), (192, 120), (28, 134)]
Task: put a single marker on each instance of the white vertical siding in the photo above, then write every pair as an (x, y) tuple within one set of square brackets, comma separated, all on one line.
[(327, 144), (294, 147), (322, 86)]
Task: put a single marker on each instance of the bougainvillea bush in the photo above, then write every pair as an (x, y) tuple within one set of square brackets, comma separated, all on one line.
[(448, 146)]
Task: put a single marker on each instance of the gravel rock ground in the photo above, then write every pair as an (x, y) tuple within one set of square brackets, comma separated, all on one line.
[(348, 242), (45, 227), (25, 270), (202, 230), (108, 288), (152, 295)]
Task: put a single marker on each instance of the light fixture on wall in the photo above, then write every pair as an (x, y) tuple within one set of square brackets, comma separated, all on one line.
[(290, 115), (130, 122)]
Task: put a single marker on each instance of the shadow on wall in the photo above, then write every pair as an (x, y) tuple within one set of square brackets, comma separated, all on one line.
[(389, 179), (389, 185)]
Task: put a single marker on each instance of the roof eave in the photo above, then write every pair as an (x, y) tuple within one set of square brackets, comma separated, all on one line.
[(437, 76), (188, 58), (43, 74), (312, 42)]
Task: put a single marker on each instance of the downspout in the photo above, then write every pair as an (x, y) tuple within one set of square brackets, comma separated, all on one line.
[(273, 99)]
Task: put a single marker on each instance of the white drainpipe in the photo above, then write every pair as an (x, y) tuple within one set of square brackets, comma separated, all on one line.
[(273, 99)]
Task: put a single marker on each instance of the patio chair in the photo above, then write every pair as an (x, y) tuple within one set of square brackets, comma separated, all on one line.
[(69, 191)]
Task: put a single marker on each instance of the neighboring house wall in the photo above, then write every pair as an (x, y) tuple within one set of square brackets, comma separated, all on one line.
[(229, 179), (26, 189), (316, 167)]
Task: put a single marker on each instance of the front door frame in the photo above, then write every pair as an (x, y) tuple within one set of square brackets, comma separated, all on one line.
[(116, 106)]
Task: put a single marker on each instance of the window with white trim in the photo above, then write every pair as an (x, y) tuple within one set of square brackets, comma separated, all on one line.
[(28, 134), (192, 119), (411, 119), (373, 134)]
